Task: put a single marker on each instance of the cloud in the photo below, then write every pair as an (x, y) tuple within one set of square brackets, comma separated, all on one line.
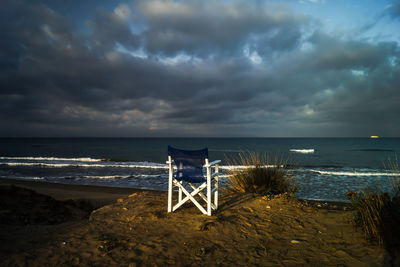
[(109, 28), (236, 68), (338, 54), (204, 27), (394, 9)]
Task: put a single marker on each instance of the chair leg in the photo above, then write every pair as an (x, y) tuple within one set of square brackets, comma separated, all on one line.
[(216, 193), (208, 190), (180, 192), (170, 174), (170, 197), (216, 186)]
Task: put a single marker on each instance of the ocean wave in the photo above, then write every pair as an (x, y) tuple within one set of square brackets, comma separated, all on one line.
[(227, 150), (51, 159), (118, 176), (355, 173), (37, 178), (372, 150), (29, 178), (141, 165), (236, 167), (83, 165), (303, 150), (103, 177)]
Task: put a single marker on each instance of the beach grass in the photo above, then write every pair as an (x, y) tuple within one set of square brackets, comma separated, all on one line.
[(378, 213), (260, 174)]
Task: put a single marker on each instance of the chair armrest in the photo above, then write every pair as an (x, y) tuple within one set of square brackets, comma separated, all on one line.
[(212, 163)]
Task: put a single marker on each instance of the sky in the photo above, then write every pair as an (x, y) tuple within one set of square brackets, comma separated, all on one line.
[(234, 68)]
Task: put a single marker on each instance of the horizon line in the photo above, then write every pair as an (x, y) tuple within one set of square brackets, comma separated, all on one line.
[(149, 137)]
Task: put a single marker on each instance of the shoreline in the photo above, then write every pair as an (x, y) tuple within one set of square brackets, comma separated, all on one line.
[(98, 196), (102, 195)]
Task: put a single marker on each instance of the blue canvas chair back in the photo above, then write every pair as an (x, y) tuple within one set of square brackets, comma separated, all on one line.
[(189, 164)]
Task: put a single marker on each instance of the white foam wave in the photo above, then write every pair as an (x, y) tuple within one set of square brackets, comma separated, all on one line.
[(226, 150), (119, 176), (37, 178), (348, 173), (236, 167), (303, 151), (29, 178), (51, 159), (105, 165), (53, 162), (104, 177)]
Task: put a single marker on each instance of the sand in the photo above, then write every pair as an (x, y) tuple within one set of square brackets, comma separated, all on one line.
[(134, 229), (97, 195)]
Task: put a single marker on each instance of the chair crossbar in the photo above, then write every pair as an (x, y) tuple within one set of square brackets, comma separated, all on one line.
[(191, 197), (215, 162), (203, 196)]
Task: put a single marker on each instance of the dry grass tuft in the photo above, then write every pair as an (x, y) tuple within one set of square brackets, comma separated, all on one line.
[(260, 174), (378, 214)]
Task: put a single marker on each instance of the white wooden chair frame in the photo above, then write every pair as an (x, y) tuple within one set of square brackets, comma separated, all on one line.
[(211, 179)]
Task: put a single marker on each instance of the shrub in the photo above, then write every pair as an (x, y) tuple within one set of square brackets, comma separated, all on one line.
[(258, 174), (378, 214), (370, 213)]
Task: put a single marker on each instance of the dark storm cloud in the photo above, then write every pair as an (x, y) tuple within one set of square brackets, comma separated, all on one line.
[(337, 54), (202, 27), (355, 88), (394, 9), (147, 68), (109, 28)]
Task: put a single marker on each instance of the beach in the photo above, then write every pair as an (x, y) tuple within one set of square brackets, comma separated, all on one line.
[(127, 227), (98, 196)]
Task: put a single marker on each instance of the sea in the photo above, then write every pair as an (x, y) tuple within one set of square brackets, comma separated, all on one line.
[(324, 168)]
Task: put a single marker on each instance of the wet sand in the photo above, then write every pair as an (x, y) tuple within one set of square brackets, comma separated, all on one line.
[(134, 229), (97, 195)]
